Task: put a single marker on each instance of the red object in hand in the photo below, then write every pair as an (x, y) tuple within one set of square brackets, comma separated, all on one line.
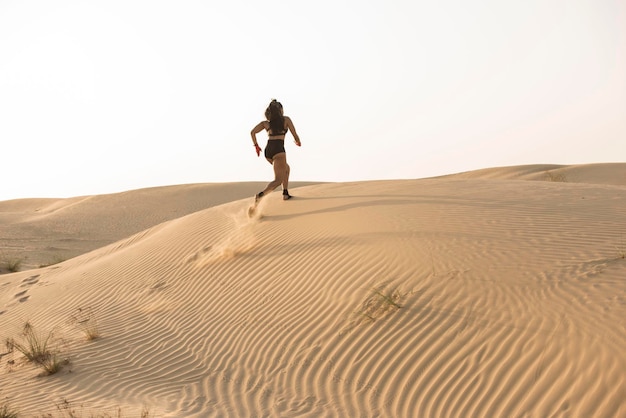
[(258, 149)]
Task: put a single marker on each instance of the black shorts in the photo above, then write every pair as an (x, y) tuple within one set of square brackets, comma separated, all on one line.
[(274, 146)]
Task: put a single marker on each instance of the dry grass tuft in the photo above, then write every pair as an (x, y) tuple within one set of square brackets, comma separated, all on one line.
[(85, 321), (556, 177), (7, 412), (11, 264), (37, 348), (65, 409), (379, 303)]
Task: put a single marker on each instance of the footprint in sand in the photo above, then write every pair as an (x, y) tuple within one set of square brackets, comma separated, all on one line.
[(30, 281), (198, 254), (20, 296), (1, 312)]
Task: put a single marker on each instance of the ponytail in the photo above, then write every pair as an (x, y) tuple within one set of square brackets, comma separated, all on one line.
[(274, 115)]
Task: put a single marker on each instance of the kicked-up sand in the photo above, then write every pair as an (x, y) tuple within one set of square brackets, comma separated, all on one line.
[(492, 293)]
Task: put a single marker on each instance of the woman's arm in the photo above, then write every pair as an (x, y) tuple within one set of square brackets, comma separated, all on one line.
[(255, 131), (292, 129)]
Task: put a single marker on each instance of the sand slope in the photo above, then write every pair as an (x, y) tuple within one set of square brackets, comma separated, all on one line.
[(440, 297), (52, 230), (605, 173)]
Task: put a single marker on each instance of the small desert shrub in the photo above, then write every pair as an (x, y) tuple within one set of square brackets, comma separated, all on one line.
[(13, 265), (7, 412), (558, 177), (85, 321), (379, 303), (36, 348)]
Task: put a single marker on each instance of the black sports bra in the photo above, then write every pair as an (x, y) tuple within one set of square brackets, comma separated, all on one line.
[(270, 133)]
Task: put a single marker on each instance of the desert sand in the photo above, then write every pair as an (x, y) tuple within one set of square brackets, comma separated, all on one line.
[(493, 293)]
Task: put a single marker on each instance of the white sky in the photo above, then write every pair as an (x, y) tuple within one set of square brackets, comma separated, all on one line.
[(107, 96)]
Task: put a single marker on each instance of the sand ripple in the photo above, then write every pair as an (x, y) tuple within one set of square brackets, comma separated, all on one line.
[(440, 297)]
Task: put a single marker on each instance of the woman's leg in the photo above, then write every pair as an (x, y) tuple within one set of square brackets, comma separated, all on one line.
[(286, 178), (280, 170)]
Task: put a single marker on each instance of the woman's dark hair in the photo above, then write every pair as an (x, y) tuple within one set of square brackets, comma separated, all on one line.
[(274, 114)]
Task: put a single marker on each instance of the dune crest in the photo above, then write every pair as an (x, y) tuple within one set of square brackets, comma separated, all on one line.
[(53, 230), (602, 173), (451, 296)]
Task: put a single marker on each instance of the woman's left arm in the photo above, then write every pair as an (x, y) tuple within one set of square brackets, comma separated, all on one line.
[(292, 129)]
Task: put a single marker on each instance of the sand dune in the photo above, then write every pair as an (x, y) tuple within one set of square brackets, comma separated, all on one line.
[(476, 294), (51, 230), (606, 173)]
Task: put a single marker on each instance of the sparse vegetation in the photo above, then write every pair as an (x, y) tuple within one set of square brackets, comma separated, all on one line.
[(65, 409), (379, 303), (12, 265), (7, 412), (557, 177), (36, 348), (85, 321)]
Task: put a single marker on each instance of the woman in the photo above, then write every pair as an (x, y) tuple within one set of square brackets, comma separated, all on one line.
[(276, 126)]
